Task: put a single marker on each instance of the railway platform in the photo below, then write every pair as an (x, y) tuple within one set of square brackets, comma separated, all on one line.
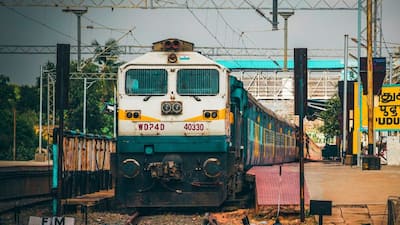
[(358, 196)]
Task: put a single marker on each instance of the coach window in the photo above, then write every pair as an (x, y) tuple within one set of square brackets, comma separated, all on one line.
[(146, 82), (198, 82)]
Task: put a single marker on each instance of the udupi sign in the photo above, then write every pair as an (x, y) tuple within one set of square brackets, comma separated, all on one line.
[(387, 112)]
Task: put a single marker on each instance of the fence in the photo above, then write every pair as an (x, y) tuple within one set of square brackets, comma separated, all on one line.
[(86, 163)]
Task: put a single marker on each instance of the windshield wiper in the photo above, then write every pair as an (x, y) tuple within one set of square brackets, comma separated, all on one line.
[(147, 98), (197, 98)]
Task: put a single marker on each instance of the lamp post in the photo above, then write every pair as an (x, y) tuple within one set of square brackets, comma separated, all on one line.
[(78, 13), (370, 80), (285, 16), (346, 54)]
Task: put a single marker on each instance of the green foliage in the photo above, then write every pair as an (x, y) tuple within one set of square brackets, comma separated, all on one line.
[(98, 92), (25, 101), (331, 127), (27, 140), (6, 130)]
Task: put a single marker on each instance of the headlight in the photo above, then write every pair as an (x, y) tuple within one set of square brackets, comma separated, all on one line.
[(212, 167), (177, 107), (172, 107), (130, 168), (166, 107)]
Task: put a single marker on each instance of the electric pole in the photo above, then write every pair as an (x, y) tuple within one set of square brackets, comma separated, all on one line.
[(78, 13)]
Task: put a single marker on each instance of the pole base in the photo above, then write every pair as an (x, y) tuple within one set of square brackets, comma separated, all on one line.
[(370, 162)]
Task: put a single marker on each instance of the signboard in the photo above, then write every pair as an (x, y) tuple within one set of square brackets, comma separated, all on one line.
[(34, 220), (387, 112), (379, 73), (318, 207)]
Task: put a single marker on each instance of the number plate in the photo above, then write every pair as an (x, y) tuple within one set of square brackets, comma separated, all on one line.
[(195, 128), (150, 126)]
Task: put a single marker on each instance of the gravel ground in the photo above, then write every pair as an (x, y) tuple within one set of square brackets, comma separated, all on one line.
[(164, 218)]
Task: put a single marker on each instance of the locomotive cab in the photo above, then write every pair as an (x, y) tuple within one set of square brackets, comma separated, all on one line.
[(173, 128)]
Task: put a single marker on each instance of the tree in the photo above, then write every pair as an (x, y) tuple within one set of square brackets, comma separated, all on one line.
[(23, 100), (100, 91), (331, 127)]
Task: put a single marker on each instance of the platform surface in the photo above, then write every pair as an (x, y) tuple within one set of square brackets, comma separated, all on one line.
[(346, 185)]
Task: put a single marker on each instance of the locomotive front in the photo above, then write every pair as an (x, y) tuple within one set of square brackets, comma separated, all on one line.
[(173, 129)]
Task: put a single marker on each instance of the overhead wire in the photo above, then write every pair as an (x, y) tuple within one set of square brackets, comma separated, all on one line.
[(122, 31), (240, 34), (69, 36), (259, 11), (38, 22), (89, 60), (207, 29)]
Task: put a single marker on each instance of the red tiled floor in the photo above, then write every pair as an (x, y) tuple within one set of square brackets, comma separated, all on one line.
[(273, 189)]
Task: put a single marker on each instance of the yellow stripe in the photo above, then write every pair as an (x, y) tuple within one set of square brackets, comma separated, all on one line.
[(122, 116), (221, 116)]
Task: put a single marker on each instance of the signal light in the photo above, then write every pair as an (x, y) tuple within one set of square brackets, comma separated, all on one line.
[(175, 44), (133, 114), (171, 45), (208, 114), (167, 44), (129, 115)]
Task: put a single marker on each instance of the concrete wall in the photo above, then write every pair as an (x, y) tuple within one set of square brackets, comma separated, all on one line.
[(393, 150)]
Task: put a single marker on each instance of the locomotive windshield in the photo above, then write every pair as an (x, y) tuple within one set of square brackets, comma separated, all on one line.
[(146, 82), (198, 82)]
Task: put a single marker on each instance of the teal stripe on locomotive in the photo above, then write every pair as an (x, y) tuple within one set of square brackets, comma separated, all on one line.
[(127, 144)]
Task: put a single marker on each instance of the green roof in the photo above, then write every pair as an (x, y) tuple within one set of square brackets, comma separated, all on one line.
[(331, 64)]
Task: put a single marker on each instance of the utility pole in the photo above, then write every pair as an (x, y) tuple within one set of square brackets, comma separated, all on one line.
[(370, 80), (86, 86), (78, 13), (41, 109), (15, 133), (346, 54), (300, 77), (285, 16)]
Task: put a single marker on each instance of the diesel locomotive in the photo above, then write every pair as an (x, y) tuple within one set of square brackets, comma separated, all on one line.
[(188, 131)]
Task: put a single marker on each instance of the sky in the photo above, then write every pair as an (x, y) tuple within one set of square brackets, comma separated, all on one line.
[(229, 28)]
